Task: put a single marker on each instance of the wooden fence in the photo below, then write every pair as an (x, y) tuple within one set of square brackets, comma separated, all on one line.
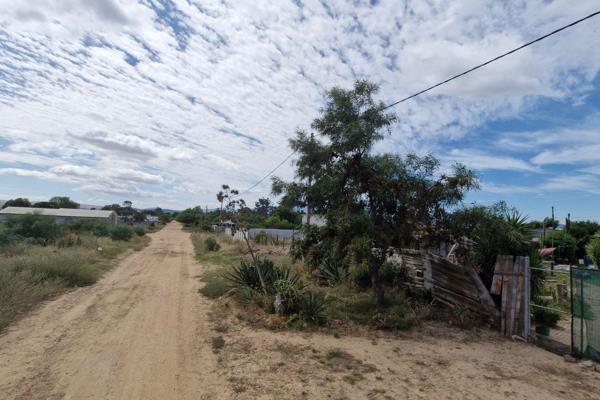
[(512, 281), (450, 283)]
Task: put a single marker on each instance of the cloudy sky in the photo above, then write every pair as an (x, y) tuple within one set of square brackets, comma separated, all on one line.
[(161, 101)]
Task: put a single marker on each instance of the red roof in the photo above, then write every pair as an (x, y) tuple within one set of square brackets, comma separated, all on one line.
[(547, 251)]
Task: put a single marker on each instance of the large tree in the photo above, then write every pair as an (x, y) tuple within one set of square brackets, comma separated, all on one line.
[(18, 202), (372, 202)]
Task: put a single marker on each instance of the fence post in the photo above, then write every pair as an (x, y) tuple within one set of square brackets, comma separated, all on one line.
[(581, 314), (526, 306), (572, 314)]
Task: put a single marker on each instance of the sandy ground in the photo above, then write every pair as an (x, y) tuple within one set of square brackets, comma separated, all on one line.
[(144, 332)]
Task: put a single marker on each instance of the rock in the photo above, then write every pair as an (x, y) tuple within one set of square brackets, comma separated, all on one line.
[(570, 359), (586, 364), (278, 305)]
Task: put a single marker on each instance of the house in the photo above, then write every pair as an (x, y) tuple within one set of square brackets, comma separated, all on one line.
[(63, 214), (315, 219)]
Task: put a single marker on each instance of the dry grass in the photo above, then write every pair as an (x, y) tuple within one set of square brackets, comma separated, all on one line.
[(35, 273)]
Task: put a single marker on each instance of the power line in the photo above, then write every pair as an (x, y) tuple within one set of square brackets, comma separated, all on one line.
[(539, 39), (493, 59), (270, 173)]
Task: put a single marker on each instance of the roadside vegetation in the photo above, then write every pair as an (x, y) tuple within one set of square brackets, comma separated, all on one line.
[(341, 273), (40, 258)]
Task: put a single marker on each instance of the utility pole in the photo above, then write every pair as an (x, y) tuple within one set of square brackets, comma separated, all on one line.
[(553, 225), (568, 222), (312, 137)]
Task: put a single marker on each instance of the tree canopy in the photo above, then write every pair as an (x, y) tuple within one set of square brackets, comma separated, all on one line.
[(372, 202), (18, 202)]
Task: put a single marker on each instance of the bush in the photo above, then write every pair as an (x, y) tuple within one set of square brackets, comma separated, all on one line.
[(545, 317), (6, 236), (288, 297), (397, 317), (97, 228), (211, 244), (139, 231), (593, 250), (565, 243), (43, 229), (121, 232), (261, 238), (360, 276)]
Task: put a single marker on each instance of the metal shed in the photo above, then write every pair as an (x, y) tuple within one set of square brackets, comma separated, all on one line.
[(62, 214)]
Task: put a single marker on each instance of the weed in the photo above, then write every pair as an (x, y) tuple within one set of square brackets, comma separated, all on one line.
[(215, 285), (211, 244), (336, 354), (222, 327), (217, 343)]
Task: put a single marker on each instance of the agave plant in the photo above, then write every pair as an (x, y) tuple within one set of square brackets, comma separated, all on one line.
[(333, 271), (246, 275), (312, 308)]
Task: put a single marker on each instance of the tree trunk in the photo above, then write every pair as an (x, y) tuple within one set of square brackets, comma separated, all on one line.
[(376, 283)]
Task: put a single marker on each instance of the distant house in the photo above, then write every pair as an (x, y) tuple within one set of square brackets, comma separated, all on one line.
[(316, 220), (63, 214)]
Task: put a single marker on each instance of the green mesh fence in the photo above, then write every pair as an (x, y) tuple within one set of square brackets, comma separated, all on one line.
[(585, 307)]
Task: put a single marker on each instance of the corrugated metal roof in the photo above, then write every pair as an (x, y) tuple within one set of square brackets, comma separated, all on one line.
[(58, 212)]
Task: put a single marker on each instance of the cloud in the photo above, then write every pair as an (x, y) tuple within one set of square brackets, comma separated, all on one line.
[(479, 160), (164, 95), (507, 189), (565, 182)]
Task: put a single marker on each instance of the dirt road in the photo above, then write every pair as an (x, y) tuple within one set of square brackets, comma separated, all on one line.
[(144, 332), (139, 333)]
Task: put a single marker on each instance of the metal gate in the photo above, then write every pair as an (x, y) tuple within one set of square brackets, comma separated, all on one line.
[(585, 310), (551, 308)]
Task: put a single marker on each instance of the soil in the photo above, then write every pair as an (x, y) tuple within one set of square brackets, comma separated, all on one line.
[(144, 332)]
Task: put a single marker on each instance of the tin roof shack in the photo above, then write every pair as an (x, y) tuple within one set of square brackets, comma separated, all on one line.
[(63, 214)]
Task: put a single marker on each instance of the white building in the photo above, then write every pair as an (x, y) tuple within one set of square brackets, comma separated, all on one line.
[(63, 214)]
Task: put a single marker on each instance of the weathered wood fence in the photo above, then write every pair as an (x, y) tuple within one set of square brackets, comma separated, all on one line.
[(450, 283), (511, 280)]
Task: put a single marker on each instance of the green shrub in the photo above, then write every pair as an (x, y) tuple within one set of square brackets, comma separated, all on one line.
[(211, 244), (261, 238), (388, 273), (565, 243), (139, 231), (593, 250), (397, 317), (288, 296), (42, 228), (360, 276), (121, 232), (6, 236), (545, 317), (97, 228), (312, 308)]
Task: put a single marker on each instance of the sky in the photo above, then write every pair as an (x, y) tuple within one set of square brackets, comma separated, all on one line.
[(162, 101)]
